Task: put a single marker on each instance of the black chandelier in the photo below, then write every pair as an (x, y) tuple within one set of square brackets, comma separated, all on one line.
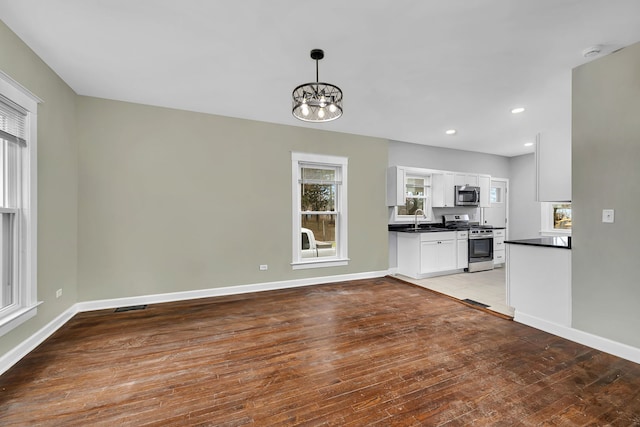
[(317, 102)]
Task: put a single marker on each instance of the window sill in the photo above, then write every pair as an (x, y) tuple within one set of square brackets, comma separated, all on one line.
[(301, 265), (18, 317)]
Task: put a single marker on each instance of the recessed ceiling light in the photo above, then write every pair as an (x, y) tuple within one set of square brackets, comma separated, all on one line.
[(451, 132), (517, 110), (528, 144), (592, 51)]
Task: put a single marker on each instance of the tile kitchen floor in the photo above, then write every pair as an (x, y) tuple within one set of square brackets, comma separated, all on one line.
[(487, 287)]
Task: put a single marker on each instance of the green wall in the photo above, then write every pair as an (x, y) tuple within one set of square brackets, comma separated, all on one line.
[(136, 200), (57, 184), (606, 175), (173, 201)]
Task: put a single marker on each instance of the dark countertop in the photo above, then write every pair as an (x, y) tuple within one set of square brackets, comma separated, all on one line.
[(425, 228), (547, 242)]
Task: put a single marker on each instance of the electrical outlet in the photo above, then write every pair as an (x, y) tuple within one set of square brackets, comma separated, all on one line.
[(607, 215), (264, 267), (58, 293)]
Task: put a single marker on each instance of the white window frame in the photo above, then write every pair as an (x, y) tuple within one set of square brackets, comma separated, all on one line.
[(24, 247), (427, 197), (546, 220), (341, 165)]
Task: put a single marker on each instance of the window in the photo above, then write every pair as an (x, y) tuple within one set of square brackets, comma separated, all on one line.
[(416, 195), (556, 218), (561, 216), (18, 110), (496, 195), (417, 191), (319, 194)]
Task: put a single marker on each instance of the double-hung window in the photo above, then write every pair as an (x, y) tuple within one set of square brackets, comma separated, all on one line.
[(417, 195), (416, 192), (319, 194), (18, 110)]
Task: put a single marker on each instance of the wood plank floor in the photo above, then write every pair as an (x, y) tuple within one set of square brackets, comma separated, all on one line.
[(369, 352)]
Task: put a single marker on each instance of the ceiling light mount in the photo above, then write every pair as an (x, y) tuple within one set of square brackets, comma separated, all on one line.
[(317, 102), (316, 55)]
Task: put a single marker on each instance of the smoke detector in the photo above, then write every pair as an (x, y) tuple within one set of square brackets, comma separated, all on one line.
[(592, 51)]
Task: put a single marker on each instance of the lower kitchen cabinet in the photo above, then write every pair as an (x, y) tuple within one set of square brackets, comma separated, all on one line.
[(438, 256), (498, 247), (426, 254), (462, 240)]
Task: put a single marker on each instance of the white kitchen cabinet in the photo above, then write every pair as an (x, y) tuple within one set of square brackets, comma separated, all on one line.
[(484, 182), (438, 256), (553, 168), (428, 257), (423, 255), (396, 186), (498, 247), (462, 242), (443, 189), (465, 179)]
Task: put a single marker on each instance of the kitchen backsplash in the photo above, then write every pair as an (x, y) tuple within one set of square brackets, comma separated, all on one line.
[(473, 212)]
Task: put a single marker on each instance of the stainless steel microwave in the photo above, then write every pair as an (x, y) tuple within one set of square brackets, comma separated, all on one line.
[(467, 195)]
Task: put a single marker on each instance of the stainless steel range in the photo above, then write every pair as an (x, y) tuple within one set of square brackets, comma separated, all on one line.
[(480, 249), (480, 241)]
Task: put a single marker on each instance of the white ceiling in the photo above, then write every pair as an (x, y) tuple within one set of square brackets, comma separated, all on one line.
[(409, 70)]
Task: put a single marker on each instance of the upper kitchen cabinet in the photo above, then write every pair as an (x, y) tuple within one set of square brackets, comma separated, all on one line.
[(443, 190), (553, 168), (484, 182), (395, 186), (465, 179), (411, 188)]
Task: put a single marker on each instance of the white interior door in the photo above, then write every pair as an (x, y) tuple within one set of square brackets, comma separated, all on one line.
[(496, 215)]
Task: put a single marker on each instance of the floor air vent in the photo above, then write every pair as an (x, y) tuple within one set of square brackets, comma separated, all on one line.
[(479, 304), (131, 308)]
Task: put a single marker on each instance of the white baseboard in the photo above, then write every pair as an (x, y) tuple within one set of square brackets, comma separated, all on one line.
[(227, 290), (594, 341), (13, 356)]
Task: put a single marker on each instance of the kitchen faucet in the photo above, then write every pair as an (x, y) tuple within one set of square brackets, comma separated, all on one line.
[(416, 218)]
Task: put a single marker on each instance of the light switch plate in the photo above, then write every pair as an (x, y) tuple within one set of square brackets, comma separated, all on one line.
[(607, 215)]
